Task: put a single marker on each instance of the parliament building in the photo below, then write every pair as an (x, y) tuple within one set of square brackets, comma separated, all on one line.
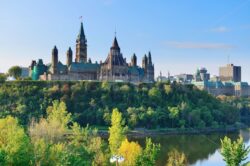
[(114, 68)]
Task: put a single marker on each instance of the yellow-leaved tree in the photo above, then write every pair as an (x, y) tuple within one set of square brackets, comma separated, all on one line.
[(116, 132), (48, 136), (176, 158), (130, 151), (14, 143), (53, 128)]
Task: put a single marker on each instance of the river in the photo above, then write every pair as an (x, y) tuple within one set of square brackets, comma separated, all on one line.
[(200, 150)]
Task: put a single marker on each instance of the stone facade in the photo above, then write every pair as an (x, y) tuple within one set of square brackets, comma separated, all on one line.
[(114, 68)]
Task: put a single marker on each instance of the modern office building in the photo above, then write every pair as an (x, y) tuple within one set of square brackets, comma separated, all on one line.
[(229, 86), (230, 73)]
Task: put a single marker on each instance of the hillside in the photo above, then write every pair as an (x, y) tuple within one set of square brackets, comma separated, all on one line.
[(144, 105)]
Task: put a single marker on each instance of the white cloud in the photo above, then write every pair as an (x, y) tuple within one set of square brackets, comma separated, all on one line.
[(221, 29), (196, 45)]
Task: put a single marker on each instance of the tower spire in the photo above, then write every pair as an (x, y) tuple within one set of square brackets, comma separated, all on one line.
[(149, 58), (81, 35), (69, 56), (115, 44), (81, 46), (54, 60)]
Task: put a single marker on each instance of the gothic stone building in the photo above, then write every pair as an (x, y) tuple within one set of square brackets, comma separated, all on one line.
[(114, 68)]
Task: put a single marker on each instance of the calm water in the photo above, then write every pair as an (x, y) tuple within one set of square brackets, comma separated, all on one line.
[(199, 149)]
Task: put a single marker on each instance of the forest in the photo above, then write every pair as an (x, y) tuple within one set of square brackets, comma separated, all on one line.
[(55, 123), (158, 105), (56, 140)]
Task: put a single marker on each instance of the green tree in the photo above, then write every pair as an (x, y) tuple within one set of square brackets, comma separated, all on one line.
[(3, 78), (90, 103), (234, 152), (167, 89), (154, 93), (54, 127), (116, 131), (86, 147), (14, 143), (149, 154), (41, 152), (58, 113), (105, 86), (58, 155), (176, 158), (173, 114), (15, 71), (47, 154), (54, 146), (82, 147)]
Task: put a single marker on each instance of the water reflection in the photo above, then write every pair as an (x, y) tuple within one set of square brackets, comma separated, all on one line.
[(198, 149)]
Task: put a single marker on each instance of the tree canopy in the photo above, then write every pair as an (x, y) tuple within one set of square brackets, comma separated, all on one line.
[(116, 132), (3, 78), (158, 105), (234, 152), (15, 71)]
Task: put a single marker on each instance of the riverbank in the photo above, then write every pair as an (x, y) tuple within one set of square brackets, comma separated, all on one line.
[(142, 132)]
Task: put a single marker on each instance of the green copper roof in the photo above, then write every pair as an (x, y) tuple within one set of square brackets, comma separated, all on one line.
[(38, 70), (62, 68), (136, 70), (84, 67)]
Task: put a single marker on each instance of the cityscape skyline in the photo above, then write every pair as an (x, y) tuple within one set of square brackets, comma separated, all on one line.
[(180, 42)]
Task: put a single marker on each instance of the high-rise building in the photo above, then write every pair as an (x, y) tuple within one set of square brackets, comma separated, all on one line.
[(230, 73)]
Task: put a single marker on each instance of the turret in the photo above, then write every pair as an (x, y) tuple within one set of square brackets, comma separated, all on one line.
[(134, 60), (148, 68), (89, 61), (31, 67), (54, 60), (149, 58), (145, 62), (33, 63), (69, 57)]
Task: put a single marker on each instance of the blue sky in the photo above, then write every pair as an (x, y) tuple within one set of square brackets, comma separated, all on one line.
[(181, 34)]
